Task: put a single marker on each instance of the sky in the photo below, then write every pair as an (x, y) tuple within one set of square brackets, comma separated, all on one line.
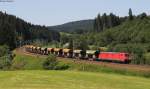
[(55, 12)]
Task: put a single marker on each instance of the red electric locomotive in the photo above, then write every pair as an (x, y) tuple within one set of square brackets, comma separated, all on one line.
[(114, 56)]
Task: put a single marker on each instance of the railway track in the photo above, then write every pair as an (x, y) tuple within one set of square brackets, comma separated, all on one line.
[(132, 67)]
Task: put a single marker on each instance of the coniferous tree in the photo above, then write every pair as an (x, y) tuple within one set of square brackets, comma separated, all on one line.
[(105, 21), (110, 20), (100, 23), (95, 25), (113, 20), (130, 14)]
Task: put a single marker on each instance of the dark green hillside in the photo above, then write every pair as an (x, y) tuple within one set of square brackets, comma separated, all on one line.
[(76, 26), (135, 31), (14, 30)]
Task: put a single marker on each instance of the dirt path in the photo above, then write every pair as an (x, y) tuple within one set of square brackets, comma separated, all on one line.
[(142, 68)]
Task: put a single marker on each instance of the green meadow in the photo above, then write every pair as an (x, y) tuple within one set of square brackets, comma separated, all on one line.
[(28, 73), (39, 79)]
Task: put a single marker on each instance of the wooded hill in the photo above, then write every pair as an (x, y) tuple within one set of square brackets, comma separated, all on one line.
[(13, 30), (83, 26), (74, 27), (132, 36), (129, 34)]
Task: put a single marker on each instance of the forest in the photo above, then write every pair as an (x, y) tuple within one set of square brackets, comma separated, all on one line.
[(15, 31)]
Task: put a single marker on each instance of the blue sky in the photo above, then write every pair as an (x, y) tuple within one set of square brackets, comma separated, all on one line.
[(54, 12)]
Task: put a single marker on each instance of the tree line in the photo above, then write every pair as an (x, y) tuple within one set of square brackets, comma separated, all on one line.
[(108, 21), (105, 21), (14, 30)]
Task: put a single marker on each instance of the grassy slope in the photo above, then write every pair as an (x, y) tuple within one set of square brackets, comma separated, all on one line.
[(28, 62), (40, 79), (69, 80)]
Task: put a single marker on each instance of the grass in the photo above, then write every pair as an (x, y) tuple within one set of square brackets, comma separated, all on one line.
[(25, 62), (28, 62), (69, 80), (101, 68)]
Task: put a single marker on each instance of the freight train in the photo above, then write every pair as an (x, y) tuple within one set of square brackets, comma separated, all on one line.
[(93, 55)]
